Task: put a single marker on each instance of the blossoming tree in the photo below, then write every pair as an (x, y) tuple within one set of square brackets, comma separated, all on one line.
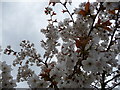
[(85, 49)]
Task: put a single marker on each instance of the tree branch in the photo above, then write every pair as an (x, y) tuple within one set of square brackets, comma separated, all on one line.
[(114, 86), (112, 78), (116, 26), (92, 26), (68, 11), (103, 84)]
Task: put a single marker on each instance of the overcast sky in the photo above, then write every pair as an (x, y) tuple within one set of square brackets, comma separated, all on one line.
[(22, 21)]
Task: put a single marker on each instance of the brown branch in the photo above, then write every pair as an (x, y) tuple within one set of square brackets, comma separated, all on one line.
[(96, 88), (116, 26), (68, 11), (112, 78), (92, 26), (114, 86), (103, 84)]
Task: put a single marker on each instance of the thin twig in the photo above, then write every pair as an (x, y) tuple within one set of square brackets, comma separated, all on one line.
[(113, 78), (92, 26), (114, 86), (68, 11), (116, 25), (103, 84)]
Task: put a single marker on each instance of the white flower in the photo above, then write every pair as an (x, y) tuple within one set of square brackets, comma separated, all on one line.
[(60, 24), (100, 0), (42, 84), (99, 66), (9, 84), (70, 63), (56, 73), (111, 5), (5, 84), (64, 49), (66, 21), (108, 5), (67, 84), (113, 62), (108, 69), (5, 67), (112, 1), (76, 10), (12, 83), (69, 1), (33, 80), (93, 53), (60, 66), (57, 1), (96, 39), (88, 65), (6, 76)]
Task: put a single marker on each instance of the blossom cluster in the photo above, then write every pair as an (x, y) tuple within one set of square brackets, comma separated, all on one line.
[(84, 49), (6, 79), (89, 47)]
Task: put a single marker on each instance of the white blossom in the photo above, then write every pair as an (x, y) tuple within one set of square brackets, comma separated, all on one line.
[(55, 1), (89, 64), (33, 80), (111, 5)]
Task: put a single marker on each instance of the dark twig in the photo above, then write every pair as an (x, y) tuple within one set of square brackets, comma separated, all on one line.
[(116, 26), (68, 11), (103, 84), (114, 86), (92, 26), (112, 78)]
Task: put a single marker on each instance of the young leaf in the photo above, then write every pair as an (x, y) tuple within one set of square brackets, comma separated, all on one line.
[(112, 12), (107, 28), (99, 21), (82, 12), (107, 23), (87, 7), (78, 43)]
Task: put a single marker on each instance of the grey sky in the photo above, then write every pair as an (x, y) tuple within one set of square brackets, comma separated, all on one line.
[(23, 20)]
